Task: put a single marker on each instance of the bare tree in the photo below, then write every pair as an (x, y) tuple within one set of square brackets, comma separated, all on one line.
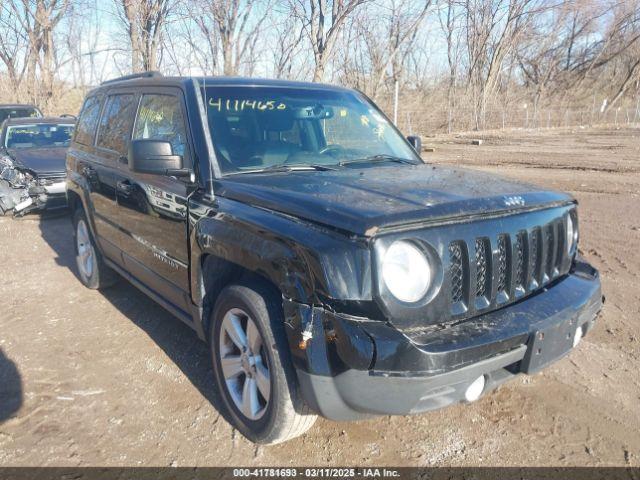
[(287, 46), (551, 55), (200, 39), (38, 20), (14, 49), (581, 48), (626, 46), (145, 21), (232, 28), (378, 51), (86, 58), (493, 28), (323, 21), (449, 22), (388, 50)]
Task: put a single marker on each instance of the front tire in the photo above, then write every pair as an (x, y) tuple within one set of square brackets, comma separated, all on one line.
[(92, 271), (252, 368)]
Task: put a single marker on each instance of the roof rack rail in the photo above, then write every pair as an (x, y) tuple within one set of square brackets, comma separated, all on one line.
[(133, 76)]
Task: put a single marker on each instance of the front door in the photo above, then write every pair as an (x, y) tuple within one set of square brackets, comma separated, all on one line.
[(152, 209)]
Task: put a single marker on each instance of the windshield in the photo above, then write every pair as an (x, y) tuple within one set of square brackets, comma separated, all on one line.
[(38, 135), (257, 128), (20, 112)]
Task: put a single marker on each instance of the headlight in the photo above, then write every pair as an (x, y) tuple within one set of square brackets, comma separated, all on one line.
[(572, 234), (406, 271)]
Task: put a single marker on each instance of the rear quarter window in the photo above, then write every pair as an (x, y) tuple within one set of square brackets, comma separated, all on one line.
[(88, 121)]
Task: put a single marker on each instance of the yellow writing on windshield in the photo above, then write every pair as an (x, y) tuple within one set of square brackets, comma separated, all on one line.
[(22, 130), (238, 105)]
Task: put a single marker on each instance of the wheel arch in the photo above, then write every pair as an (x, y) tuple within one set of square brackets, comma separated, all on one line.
[(73, 201), (216, 273), (78, 197)]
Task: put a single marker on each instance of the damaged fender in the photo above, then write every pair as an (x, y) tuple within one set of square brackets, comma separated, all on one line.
[(322, 268)]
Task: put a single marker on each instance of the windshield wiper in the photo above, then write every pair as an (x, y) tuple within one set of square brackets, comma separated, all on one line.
[(377, 159), (283, 168)]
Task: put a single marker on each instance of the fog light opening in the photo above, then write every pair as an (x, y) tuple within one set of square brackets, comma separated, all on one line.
[(474, 390), (578, 336)]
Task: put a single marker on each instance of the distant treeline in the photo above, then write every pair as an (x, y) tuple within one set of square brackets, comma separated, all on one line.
[(463, 64)]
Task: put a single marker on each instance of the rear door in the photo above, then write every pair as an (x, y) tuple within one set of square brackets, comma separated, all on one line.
[(153, 208), (90, 168)]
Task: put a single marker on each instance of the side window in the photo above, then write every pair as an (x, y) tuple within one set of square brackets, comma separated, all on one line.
[(88, 121), (160, 118), (115, 124)]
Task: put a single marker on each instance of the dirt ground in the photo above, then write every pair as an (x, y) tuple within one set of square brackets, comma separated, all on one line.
[(110, 378)]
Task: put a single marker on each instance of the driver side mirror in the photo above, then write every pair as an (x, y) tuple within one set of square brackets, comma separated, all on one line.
[(155, 157), (416, 143)]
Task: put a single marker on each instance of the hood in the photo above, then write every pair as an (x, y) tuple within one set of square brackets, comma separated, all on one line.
[(41, 161), (367, 200)]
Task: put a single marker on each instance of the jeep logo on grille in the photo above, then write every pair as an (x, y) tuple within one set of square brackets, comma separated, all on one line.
[(515, 201)]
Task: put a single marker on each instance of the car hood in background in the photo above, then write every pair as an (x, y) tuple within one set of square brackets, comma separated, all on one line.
[(41, 161), (366, 200)]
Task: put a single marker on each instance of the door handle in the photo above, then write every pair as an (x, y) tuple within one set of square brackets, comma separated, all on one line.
[(124, 186)]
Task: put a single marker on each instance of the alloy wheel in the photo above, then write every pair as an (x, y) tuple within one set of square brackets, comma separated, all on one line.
[(85, 249), (244, 363)]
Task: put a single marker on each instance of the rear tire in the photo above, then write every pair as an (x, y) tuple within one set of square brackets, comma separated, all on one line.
[(252, 366), (92, 271)]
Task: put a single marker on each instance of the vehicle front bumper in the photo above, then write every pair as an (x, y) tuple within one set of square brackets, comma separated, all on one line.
[(54, 194), (32, 196), (351, 367)]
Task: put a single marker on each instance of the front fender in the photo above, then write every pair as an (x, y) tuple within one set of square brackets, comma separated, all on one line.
[(308, 263)]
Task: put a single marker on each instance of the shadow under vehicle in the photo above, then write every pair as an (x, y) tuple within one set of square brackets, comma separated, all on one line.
[(177, 340), (330, 269)]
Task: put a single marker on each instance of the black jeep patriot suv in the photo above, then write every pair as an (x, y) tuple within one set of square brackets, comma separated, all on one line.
[(329, 268)]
